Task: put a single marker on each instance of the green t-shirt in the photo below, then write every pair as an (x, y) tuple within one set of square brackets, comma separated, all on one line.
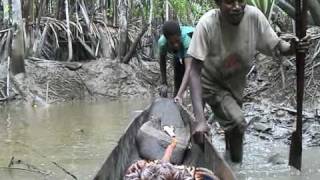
[(186, 33)]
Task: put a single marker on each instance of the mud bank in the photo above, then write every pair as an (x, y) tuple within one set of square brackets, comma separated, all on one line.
[(54, 81)]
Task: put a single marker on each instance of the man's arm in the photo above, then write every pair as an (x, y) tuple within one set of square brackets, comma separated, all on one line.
[(185, 79), (196, 96), (288, 49), (163, 69), (163, 75)]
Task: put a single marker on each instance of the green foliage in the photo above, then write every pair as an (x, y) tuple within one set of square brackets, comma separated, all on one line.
[(198, 9), (186, 10), (180, 7), (264, 5)]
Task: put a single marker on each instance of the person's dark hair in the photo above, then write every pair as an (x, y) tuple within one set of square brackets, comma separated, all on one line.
[(171, 28), (217, 2)]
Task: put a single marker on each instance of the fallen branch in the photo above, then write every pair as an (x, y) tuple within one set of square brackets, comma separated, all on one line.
[(30, 167), (283, 77), (41, 41), (86, 47), (23, 169), (84, 84), (262, 88), (6, 98), (251, 70), (293, 111), (46, 158), (5, 30), (128, 56), (63, 169)]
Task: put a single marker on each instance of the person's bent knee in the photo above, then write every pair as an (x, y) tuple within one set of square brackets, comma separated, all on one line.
[(242, 126)]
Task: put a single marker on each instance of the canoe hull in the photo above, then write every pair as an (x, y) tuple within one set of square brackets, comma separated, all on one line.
[(126, 152)]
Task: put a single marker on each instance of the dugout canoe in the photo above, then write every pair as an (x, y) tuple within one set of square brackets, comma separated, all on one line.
[(126, 152)]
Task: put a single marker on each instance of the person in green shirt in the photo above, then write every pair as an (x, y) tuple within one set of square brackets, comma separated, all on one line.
[(175, 40)]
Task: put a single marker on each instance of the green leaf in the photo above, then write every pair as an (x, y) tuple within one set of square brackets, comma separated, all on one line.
[(264, 5)]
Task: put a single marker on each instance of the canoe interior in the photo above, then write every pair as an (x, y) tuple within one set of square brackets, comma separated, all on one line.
[(126, 152)]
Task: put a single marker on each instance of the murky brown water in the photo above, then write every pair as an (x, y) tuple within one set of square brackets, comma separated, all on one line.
[(79, 136), (257, 165)]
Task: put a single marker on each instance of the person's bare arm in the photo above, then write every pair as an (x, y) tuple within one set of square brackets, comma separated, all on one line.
[(289, 48), (185, 80), (196, 96), (169, 150), (163, 76), (163, 69)]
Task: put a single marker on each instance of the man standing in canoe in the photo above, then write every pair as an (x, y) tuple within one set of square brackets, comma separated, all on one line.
[(222, 51), (175, 40)]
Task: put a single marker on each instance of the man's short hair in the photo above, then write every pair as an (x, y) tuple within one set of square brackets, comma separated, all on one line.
[(171, 28), (217, 2)]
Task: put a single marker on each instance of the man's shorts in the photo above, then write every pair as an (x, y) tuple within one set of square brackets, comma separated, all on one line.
[(226, 109)]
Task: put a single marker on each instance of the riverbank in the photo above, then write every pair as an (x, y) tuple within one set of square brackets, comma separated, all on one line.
[(54, 81)]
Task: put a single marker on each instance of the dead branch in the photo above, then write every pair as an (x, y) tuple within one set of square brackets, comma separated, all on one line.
[(23, 169), (293, 111), (5, 30), (64, 170), (41, 40), (87, 48), (30, 167), (84, 84), (128, 56), (46, 158), (283, 77)]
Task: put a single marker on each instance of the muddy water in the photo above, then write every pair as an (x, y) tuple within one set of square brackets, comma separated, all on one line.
[(79, 136), (268, 160), (76, 136)]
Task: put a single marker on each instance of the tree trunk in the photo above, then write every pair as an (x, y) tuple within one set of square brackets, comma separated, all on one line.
[(60, 10), (314, 7), (115, 12), (103, 8), (105, 45), (70, 52), (17, 51), (123, 29), (167, 10), (29, 18), (150, 17), (287, 7)]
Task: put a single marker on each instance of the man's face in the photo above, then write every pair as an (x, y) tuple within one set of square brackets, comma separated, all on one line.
[(233, 10), (174, 43)]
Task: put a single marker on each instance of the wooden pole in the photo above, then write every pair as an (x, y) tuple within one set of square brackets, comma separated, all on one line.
[(295, 155)]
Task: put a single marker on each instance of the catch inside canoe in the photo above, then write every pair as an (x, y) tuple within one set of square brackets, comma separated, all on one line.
[(126, 151)]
